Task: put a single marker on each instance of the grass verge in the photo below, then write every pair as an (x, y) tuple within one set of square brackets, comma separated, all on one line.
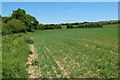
[(14, 56)]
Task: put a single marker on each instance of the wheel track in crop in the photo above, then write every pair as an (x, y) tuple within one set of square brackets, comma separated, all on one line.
[(33, 70), (57, 62)]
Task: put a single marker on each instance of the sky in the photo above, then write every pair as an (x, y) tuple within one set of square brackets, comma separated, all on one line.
[(60, 0), (64, 12)]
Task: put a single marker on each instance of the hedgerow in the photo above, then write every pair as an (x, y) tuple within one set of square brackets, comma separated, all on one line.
[(18, 22)]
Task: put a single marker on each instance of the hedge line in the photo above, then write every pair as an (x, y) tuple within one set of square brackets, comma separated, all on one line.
[(19, 21), (85, 25), (76, 25)]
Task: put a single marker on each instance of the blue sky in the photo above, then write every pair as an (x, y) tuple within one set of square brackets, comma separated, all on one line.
[(60, 0), (62, 12)]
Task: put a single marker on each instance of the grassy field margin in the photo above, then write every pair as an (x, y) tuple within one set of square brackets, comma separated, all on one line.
[(15, 53)]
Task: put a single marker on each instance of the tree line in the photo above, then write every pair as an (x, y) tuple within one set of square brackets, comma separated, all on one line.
[(77, 25), (20, 21)]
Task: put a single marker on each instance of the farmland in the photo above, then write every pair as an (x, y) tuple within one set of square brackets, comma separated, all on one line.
[(63, 50), (59, 40), (83, 52)]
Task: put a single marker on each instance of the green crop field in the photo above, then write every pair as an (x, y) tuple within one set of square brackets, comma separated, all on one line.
[(83, 52), (59, 40)]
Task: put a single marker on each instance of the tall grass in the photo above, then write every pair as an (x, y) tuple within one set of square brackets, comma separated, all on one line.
[(0, 56), (14, 56)]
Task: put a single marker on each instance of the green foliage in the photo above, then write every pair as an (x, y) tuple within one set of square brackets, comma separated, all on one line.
[(49, 26), (40, 26), (16, 26), (19, 22), (5, 29), (30, 21), (14, 56), (85, 25), (0, 56), (110, 22), (69, 26), (19, 14), (0, 16), (13, 26), (5, 19), (29, 40), (52, 26)]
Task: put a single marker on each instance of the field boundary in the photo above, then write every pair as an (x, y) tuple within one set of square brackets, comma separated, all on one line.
[(32, 69)]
